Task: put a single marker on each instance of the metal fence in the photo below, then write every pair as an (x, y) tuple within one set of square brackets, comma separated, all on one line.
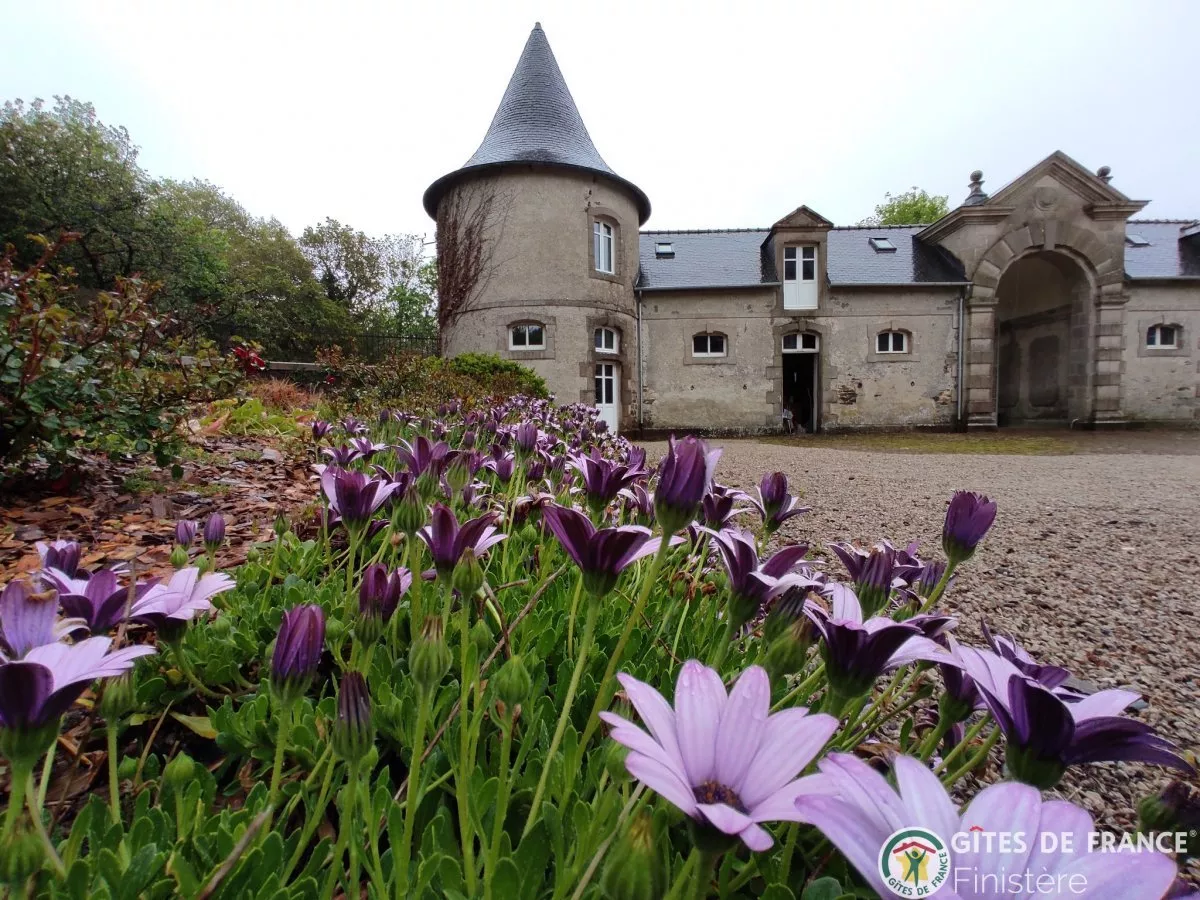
[(368, 346)]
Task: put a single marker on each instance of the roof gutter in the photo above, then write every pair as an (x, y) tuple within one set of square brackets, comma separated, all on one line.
[(715, 287), (637, 293)]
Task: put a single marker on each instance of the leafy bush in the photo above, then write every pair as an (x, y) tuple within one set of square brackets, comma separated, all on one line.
[(280, 394), (414, 381), (80, 367), (253, 418), (490, 368)]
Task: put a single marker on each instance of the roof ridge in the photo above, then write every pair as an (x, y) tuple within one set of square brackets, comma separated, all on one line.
[(874, 227), (1161, 221), (701, 230)]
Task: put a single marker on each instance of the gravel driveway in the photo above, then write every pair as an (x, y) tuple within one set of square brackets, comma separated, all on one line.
[(1093, 563)]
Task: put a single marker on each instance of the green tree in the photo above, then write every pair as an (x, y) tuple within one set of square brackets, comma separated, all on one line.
[(361, 272), (913, 207)]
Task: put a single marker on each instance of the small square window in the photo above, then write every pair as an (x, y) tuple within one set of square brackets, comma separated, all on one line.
[(882, 245), (664, 250), (808, 342), (527, 337), (789, 341), (1163, 337), (1136, 240), (606, 340), (708, 345)]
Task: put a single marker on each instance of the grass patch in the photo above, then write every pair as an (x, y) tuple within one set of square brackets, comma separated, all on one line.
[(139, 481), (934, 442)]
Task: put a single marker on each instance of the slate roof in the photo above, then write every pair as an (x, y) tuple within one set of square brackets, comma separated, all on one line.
[(737, 258), (537, 123), (1169, 255)]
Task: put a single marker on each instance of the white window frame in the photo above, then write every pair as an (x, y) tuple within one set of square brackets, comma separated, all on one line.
[(799, 338), (523, 328), (710, 353), (1154, 337), (798, 256), (598, 340), (604, 249), (891, 334)]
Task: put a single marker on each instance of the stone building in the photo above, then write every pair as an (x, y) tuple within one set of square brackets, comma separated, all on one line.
[(1044, 302)]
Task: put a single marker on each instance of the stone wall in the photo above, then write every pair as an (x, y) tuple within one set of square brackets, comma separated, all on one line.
[(858, 387), (1162, 385), (543, 272)]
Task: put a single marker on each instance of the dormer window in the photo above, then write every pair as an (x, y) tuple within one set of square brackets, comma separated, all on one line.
[(882, 245), (1136, 240), (664, 250), (800, 277), (1162, 337), (527, 336), (603, 256)]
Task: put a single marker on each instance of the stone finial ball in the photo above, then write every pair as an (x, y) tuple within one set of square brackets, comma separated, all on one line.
[(1104, 171), (977, 175)]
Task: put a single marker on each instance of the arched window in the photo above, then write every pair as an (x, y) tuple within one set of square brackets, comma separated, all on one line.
[(607, 340), (892, 342), (1163, 337), (709, 344), (801, 342), (527, 336)]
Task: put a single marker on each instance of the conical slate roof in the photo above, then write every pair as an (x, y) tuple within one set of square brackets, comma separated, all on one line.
[(537, 124)]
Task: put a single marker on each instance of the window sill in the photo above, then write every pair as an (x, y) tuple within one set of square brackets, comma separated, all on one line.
[(530, 354), (605, 276), (708, 360), (874, 356)]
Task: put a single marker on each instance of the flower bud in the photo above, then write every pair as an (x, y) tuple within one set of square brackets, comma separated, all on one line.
[(22, 857), (968, 519), (118, 698), (429, 658), (353, 730), (179, 771), (254, 556), (1176, 809), (214, 532), (457, 475), (179, 557), (297, 651), (631, 871), (427, 485), (787, 653), (185, 532), (468, 575), (481, 639), (281, 525), (409, 513), (513, 683)]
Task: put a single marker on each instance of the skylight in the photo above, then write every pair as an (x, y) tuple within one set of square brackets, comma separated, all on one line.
[(1136, 240), (664, 250), (882, 245)]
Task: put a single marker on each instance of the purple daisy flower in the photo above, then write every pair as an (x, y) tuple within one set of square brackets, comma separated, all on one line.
[(602, 478), (447, 540), (353, 496), (61, 555), (214, 532), (36, 690), (684, 477), (422, 455), (1045, 734), (722, 759), (169, 607), (380, 591), (752, 586), (340, 456), (858, 810), (774, 503), (29, 619), (602, 554), (1007, 648), (297, 650), (320, 429), (99, 601)]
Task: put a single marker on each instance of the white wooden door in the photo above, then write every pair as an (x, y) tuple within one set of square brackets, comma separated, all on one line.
[(608, 394)]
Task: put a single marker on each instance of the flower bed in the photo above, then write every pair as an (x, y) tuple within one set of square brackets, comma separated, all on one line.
[(508, 660)]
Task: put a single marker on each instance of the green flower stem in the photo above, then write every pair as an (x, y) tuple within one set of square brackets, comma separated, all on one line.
[(972, 733), (274, 560), (803, 689), (36, 814), (414, 599), (339, 851), (311, 821), (635, 616), (376, 873), (934, 738), (936, 593), (979, 756), (501, 810), (350, 824), (114, 797), (466, 765), (189, 673), (866, 728), (351, 550), (589, 632), (572, 614), (19, 776), (47, 770), (684, 878), (424, 701), (722, 647), (789, 847), (281, 739)]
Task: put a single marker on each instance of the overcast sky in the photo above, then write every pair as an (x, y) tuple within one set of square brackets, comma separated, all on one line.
[(726, 115)]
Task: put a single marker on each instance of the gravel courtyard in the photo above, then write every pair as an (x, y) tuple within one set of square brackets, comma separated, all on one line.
[(1093, 563)]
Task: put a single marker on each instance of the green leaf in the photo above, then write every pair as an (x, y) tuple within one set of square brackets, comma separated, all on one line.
[(822, 889), (185, 876), (778, 892), (201, 725), (506, 879)]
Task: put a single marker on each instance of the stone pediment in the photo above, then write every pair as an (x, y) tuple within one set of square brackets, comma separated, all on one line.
[(803, 218), (1042, 188)]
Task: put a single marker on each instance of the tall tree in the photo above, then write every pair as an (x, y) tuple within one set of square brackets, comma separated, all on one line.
[(358, 271), (913, 207)]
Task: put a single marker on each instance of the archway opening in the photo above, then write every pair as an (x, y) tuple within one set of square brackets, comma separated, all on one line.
[(1042, 328)]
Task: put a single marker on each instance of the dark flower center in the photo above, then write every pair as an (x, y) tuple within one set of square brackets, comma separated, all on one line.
[(715, 792)]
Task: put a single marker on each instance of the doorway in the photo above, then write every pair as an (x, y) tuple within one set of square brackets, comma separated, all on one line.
[(608, 394), (800, 375)]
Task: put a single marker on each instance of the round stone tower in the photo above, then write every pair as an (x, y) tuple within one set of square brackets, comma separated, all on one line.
[(538, 245)]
